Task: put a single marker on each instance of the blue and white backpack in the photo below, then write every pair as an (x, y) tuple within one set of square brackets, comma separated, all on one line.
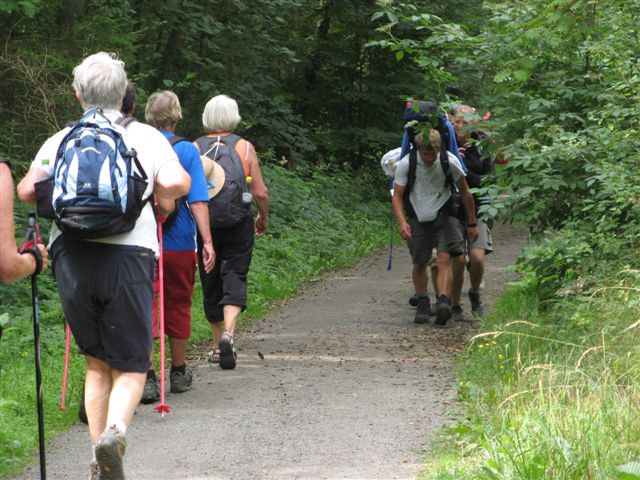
[(98, 183)]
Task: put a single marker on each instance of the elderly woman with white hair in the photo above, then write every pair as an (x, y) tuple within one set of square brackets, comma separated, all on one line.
[(237, 182)]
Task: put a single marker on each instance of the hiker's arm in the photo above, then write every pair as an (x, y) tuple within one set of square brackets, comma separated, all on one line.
[(13, 265), (165, 205), (172, 181), (469, 208), (398, 210), (260, 192), (26, 187), (200, 212)]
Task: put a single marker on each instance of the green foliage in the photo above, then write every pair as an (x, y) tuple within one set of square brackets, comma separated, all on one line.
[(549, 394)]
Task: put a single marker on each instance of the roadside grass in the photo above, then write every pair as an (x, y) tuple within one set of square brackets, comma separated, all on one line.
[(549, 394), (320, 220)]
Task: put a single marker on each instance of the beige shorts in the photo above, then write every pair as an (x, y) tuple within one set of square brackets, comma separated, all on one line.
[(484, 240)]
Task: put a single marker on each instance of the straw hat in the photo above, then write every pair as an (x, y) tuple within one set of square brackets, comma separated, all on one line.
[(214, 175)]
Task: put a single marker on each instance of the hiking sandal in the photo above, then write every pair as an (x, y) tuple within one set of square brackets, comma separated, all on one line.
[(214, 356)]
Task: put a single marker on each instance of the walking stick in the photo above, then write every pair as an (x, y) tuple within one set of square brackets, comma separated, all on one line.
[(162, 408), (67, 348), (31, 239)]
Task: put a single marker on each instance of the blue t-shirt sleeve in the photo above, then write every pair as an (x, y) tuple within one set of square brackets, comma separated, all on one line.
[(190, 160)]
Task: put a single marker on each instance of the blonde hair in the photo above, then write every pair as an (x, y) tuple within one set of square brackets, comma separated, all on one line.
[(466, 113), (435, 141), (163, 110), (221, 114)]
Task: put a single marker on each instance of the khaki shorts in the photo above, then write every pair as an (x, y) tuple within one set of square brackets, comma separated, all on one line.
[(484, 240), (444, 234)]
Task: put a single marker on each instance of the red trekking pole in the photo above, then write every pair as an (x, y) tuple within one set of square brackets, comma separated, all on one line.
[(162, 408)]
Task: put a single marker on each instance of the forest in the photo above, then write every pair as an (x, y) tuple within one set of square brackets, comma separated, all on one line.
[(321, 86)]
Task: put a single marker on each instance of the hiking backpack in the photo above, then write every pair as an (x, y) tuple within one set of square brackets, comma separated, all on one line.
[(171, 218), (227, 208), (427, 112), (98, 182)]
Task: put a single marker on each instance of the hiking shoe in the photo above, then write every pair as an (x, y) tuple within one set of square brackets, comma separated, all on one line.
[(227, 352), (422, 312), (214, 356), (413, 301), (180, 382), (94, 470), (151, 393), (109, 452), (443, 310), (82, 410), (456, 313), (477, 308)]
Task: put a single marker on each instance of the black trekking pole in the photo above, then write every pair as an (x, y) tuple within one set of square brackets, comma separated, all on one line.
[(31, 239)]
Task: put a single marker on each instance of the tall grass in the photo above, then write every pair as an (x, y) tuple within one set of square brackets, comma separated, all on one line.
[(550, 394), (319, 220)]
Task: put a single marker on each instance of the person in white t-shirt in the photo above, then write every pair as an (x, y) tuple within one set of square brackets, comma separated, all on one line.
[(106, 284), (435, 223)]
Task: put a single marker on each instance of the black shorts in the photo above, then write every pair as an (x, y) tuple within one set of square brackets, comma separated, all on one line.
[(106, 293), (226, 284)]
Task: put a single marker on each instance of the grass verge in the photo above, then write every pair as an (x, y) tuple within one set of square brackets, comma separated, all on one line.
[(549, 393)]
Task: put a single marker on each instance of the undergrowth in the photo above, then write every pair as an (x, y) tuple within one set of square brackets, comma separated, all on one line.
[(320, 220), (549, 390)]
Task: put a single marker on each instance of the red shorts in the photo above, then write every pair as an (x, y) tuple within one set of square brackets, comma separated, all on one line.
[(179, 275)]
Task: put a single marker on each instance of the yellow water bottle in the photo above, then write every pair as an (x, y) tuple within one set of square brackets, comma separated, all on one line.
[(246, 196)]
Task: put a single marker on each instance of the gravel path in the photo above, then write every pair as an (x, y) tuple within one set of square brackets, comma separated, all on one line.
[(337, 383)]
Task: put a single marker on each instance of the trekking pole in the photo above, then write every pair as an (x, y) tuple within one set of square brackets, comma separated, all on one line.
[(162, 408), (31, 239), (67, 348), (391, 222)]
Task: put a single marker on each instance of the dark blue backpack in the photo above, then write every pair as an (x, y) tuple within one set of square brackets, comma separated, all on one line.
[(97, 183)]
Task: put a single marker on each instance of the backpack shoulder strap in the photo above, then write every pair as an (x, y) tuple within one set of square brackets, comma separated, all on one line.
[(176, 139), (230, 141), (124, 121), (413, 165)]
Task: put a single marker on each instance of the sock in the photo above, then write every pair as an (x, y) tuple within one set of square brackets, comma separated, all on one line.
[(180, 368), (93, 449)]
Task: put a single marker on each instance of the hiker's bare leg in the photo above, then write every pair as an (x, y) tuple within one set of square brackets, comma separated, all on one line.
[(231, 315), (216, 332), (97, 387), (178, 349), (126, 392), (476, 272), (420, 278), (434, 279), (457, 266), (445, 274)]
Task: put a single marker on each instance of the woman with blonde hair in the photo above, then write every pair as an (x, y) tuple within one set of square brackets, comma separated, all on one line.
[(235, 181)]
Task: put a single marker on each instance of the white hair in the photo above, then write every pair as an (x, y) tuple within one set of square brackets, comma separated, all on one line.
[(221, 114), (100, 81)]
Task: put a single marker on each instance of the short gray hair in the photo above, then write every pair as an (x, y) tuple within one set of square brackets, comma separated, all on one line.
[(221, 114), (100, 81), (163, 110)]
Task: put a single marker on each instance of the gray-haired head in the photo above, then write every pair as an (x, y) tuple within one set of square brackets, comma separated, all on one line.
[(100, 81), (221, 114), (163, 110)]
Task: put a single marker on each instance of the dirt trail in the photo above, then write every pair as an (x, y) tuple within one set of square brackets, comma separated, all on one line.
[(349, 388)]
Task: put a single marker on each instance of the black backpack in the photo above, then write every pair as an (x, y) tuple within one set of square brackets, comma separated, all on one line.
[(171, 218), (227, 208)]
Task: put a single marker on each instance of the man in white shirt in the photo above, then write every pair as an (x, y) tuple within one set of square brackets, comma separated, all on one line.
[(106, 284), (432, 219)]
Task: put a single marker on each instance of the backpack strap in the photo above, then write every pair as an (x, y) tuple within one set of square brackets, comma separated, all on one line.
[(176, 139), (125, 121)]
